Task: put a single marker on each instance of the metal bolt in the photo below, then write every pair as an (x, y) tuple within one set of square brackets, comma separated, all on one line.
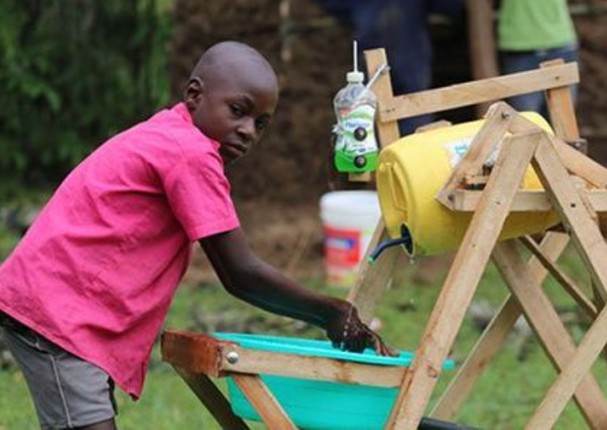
[(232, 357)]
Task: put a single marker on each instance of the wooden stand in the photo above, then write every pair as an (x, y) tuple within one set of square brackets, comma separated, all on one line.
[(574, 188)]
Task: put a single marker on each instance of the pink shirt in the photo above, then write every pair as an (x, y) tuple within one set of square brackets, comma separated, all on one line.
[(97, 270)]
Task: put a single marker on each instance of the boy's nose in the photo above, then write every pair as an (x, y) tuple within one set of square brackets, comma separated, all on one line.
[(246, 128)]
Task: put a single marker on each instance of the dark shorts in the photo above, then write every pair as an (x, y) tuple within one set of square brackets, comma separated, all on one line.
[(67, 391)]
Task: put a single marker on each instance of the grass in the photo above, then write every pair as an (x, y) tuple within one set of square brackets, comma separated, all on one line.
[(503, 398)]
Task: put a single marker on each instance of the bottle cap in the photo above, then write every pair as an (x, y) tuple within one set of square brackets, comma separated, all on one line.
[(355, 77)]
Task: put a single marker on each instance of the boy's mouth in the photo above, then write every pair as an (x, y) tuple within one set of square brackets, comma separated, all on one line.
[(231, 151)]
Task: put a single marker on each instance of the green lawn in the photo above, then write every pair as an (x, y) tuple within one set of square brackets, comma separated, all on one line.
[(503, 398)]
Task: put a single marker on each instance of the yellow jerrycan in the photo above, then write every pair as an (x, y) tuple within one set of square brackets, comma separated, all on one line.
[(411, 172)]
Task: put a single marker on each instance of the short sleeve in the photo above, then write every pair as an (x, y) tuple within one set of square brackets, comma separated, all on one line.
[(198, 193)]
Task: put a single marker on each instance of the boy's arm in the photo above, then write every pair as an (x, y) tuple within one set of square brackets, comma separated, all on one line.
[(247, 277)]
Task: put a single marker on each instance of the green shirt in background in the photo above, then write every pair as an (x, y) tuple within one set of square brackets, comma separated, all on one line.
[(527, 25)]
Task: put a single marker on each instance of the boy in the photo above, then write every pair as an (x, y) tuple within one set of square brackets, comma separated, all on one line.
[(84, 294)]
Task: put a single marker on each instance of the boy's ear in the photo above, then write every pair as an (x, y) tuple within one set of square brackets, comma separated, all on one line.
[(192, 92)]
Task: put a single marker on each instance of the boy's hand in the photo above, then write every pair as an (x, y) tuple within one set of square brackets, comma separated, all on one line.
[(349, 333)]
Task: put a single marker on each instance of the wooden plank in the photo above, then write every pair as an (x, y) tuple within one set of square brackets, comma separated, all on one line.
[(574, 161), (387, 131), (478, 360), (373, 279), (475, 92), (526, 200), (580, 165), (553, 335), (491, 340), (483, 143), (560, 108), (562, 278), (307, 367), (576, 370), (585, 233), (465, 273), (481, 43), (264, 402), (193, 352), (213, 399), (481, 39)]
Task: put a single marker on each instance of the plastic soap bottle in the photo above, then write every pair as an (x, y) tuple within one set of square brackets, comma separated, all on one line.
[(356, 148)]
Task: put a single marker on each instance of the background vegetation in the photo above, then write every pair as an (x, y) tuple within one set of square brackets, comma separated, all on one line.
[(72, 73)]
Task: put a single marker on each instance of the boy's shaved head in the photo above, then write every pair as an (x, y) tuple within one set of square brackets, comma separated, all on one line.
[(229, 57)]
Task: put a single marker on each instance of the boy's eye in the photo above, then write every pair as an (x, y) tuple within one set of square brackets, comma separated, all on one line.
[(261, 124), (237, 110)]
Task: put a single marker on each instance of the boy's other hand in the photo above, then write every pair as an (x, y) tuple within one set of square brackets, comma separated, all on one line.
[(349, 333)]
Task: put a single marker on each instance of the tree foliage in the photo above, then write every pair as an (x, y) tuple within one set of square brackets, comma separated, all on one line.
[(73, 72)]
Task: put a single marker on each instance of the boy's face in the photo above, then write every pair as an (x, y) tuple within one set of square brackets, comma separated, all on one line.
[(233, 107)]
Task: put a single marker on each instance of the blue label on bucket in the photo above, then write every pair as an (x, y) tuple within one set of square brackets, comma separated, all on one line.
[(342, 247), (340, 243)]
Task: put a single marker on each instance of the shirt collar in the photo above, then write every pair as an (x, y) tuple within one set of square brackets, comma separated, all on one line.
[(182, 110)]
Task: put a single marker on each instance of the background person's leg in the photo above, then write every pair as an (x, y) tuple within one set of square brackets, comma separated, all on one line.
[(514, 62)]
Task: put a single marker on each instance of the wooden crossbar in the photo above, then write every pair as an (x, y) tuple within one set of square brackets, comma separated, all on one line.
[(199, 353), (525, 200), (475, 92)]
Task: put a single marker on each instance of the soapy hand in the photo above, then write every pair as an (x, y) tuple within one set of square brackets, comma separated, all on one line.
[(349, 333)]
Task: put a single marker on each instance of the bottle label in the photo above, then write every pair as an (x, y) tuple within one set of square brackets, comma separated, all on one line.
[(355, 133)]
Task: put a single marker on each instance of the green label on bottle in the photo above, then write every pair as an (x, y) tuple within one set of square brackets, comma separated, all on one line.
[(356, 147)]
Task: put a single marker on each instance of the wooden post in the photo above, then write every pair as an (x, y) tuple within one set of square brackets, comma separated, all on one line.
[(256, 392), (577, 368), (462, 280), (387, 130), (373, 279), (481, 42), (572, 210), (213, 399)]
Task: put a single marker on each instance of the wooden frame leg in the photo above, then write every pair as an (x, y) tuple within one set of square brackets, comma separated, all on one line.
[(372, 279), (546, 323), (264, 402), (585, 234), (578, 367), (493, 337), (462, 280), (213, 399)]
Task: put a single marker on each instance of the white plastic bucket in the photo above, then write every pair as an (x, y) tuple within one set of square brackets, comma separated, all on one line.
[(349, 219)]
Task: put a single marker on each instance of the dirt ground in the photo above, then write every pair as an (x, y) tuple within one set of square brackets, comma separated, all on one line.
[(277, 187)]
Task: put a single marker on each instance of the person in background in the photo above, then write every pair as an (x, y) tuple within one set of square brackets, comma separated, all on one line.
[(530, 32), (84, 294), (401, 27)]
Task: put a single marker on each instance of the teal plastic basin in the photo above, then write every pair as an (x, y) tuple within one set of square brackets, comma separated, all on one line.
[(313, 404)]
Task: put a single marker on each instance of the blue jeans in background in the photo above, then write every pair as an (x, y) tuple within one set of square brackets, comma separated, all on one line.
[(515, 61)]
